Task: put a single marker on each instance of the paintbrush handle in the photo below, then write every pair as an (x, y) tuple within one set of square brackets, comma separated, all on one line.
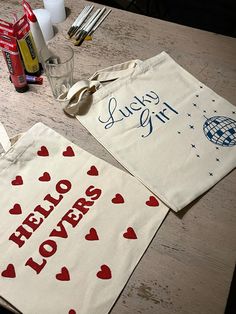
[(99, 23), (90, 20), (78, 32), (83, 18), (91, 25), (79, 20), (80, 15)]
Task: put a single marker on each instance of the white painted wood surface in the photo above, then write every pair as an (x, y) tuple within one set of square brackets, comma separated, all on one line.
[(189, 264)]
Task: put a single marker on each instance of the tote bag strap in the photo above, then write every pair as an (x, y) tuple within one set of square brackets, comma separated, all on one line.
[(78, 95), (81, 91), (116, 71), (4, 138)]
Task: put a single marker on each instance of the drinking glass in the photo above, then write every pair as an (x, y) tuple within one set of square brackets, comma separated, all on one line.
[(59, 68)]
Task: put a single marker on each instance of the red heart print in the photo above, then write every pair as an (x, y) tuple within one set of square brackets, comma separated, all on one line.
[(64, 275), (15, 210), (9, 271), (118, 199), (71, 311), (130, 234), (152, 201), (92, 235), (93, 171), (45, 177), (68, 152), (17, 181), (43, 151), (104, 273)]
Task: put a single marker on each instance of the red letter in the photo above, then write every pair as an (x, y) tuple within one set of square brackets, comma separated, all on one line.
[(32, 223), (81, 203), (61, 233), (70, 217), (53, 200), (22, 233), (93, 191), (60, 188), (35, 266), (48, 248), (43, 211)]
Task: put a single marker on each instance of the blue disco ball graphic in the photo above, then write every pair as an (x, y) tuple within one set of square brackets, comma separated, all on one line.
[(220, 131)]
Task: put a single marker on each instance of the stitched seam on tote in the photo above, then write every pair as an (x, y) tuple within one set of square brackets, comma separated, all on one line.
[(7, 159), (13, 161)]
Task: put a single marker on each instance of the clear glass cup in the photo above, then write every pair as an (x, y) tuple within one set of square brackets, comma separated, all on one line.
[(59, 68)]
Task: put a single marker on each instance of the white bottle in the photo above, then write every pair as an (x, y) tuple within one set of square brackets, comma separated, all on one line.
[(43, 52), (57, 10), (45, 23)]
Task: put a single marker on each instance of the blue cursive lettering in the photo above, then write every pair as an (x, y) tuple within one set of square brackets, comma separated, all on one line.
[(112, 105)]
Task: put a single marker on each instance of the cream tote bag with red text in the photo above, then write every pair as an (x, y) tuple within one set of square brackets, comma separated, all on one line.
[(72, 226)]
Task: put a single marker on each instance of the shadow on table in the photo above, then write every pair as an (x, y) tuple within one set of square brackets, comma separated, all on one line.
[(183, 211), (231, 302)]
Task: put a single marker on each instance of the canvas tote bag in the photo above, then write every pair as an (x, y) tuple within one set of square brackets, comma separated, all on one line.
[(72, 226), (167, 128)]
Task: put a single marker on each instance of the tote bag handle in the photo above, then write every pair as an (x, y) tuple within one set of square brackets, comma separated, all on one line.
[(116, 71), (82, 90), (4, 139)]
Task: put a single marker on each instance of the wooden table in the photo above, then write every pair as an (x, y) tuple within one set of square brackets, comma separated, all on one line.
[(189, 265)]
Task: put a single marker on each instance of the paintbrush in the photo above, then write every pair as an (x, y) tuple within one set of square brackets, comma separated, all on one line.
[(79, 20), (90, 20), (99, 23), (88, 28)]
